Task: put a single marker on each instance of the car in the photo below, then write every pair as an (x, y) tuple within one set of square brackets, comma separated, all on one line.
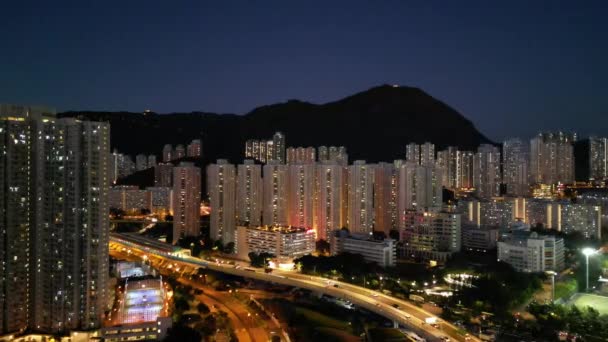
[(377, 304), (396, 306), (444, 338), (374, 294), (336, 285)]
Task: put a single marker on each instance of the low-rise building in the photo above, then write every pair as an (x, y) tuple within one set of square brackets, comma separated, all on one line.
[(382, 252), (530, 252), (430, 235), (285, 242), (479, 239)]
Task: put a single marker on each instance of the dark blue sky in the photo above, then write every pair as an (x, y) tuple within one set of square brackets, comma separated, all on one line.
[(513, 68)]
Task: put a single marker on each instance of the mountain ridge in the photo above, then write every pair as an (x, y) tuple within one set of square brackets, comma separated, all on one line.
[(374, 125)]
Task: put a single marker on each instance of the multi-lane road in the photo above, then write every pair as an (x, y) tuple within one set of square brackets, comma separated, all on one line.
[(399, 311)]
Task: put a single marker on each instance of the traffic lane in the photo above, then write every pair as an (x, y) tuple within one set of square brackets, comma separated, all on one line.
[(318, 283)]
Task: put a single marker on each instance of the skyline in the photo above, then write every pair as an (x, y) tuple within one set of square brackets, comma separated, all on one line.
[(545, 70)]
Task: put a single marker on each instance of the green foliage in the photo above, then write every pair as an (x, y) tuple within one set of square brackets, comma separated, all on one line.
[(565, 289), (500, 290), (181, 333), (181, 305), (260, 259), (229, 248), (552, 318), (322, 246), (202, 308)]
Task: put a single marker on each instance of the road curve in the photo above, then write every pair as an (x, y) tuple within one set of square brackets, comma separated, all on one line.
[(406, 314)]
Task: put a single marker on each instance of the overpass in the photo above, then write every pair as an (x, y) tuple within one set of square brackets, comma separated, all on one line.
[(399, 311)]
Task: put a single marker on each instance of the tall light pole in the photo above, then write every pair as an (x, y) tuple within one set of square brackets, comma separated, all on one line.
[(587, 252), (552, 274)]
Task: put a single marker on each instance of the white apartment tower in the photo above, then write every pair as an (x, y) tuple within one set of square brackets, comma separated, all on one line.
[(384, 200), (186, 200), (221, 184), (515, 163), (275, 194), (361, 197), (419, 189), (486, 171), (54, 219), (300, 198), (330, 201), (552, 158), (249, 193), (598, 158)]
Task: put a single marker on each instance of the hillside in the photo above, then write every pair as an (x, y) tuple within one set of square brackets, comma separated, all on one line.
[(374, 125)]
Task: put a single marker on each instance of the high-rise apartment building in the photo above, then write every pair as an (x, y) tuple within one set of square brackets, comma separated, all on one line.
[(552, 158), (456, 167), (420, 154), (180, 152), (151, 161), (194, 149), (186, 200), (486, 171), (278, 143), (361, 197), (419, 189), (168, 153), (141, 162), (333, 153), (300, 155), (249, 195), (385, 186), (515, 161), (598, 158), (221, 185), (330, 199), (300, 198), (54, 219), (275, 194), (163, 175)]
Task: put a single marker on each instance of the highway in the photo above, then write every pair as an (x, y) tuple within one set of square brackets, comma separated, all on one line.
[(399, 311)]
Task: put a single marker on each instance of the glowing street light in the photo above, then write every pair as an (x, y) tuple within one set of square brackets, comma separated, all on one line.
[(588, 252)]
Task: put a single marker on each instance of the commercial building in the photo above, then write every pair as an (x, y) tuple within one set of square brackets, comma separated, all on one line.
[(186, 200), (221, 185), (552, 158), (530, 252), (360, 197), (284, 242), (249, 194), (382, 252), (54, 219), (430, 235)]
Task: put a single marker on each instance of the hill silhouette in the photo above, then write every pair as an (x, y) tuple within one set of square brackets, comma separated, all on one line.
[(374, 125)]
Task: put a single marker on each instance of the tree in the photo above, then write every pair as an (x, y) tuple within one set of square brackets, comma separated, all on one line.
[(378, 235), (202, 308), (260, 259), (144, 211), (229, 248), (180, 333), (394, 234), (168, 217), (322, 246), (181, 304)]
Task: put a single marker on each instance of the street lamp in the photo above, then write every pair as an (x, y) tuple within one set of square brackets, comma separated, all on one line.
[(588, 252), (552, 274)]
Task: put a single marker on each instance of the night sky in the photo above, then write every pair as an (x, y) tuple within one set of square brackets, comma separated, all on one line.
[(513, 69)]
